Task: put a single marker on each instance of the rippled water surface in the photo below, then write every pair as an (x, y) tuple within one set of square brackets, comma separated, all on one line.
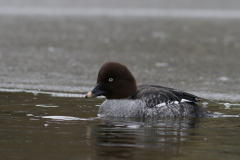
[(50, 125)]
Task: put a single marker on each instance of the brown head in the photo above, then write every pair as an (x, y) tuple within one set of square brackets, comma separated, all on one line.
[(114, 81)]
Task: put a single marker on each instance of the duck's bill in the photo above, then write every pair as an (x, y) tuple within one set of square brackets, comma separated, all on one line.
[(95, 92)]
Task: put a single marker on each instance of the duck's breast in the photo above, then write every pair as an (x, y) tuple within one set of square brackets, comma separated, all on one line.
[(122, 108)]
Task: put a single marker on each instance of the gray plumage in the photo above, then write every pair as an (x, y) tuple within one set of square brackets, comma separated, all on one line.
[(154, 101)]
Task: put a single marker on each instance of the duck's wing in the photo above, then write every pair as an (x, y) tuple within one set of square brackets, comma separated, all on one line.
[(158, 95), (185, 95)]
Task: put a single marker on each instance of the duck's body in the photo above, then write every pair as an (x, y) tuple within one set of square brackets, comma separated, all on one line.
[(153, 101), (126, 99)]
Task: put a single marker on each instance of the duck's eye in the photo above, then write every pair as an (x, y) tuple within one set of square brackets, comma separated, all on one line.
[(110, 79)]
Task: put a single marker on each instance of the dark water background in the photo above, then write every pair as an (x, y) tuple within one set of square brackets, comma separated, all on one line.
[(51, 51), (61, 126)]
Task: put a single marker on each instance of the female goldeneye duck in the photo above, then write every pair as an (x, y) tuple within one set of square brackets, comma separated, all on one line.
[(126, 99)]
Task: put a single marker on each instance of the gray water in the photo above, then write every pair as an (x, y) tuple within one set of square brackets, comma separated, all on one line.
[(65, 126), (50, 54)]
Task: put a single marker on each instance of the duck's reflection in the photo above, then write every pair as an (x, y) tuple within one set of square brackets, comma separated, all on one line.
[(124, 137)]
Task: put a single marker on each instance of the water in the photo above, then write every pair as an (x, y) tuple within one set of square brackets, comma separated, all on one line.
[(53, 125)]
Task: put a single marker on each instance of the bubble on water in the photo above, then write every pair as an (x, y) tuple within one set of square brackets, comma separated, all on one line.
[(227, 105)]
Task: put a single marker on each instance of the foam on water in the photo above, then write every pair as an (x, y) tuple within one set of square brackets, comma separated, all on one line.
[(35, 92), (43, 105), (68, 118), (133, 126), (220, 116)]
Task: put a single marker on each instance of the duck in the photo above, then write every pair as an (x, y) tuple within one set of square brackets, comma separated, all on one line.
[(125, 99)]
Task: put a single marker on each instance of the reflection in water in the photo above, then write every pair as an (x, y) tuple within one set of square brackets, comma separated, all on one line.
[(120, 137)]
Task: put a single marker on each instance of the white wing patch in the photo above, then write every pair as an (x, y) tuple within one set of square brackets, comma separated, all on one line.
[(164, 104), (175, 102), (161, 104), (185, 100)]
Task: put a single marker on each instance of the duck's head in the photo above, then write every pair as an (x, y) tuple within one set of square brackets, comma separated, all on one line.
[(114, 81)]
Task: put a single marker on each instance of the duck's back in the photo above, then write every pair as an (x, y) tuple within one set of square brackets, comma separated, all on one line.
[(154, 101)]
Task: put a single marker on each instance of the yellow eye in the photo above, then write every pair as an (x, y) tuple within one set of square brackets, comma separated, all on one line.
[(110, 79)]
